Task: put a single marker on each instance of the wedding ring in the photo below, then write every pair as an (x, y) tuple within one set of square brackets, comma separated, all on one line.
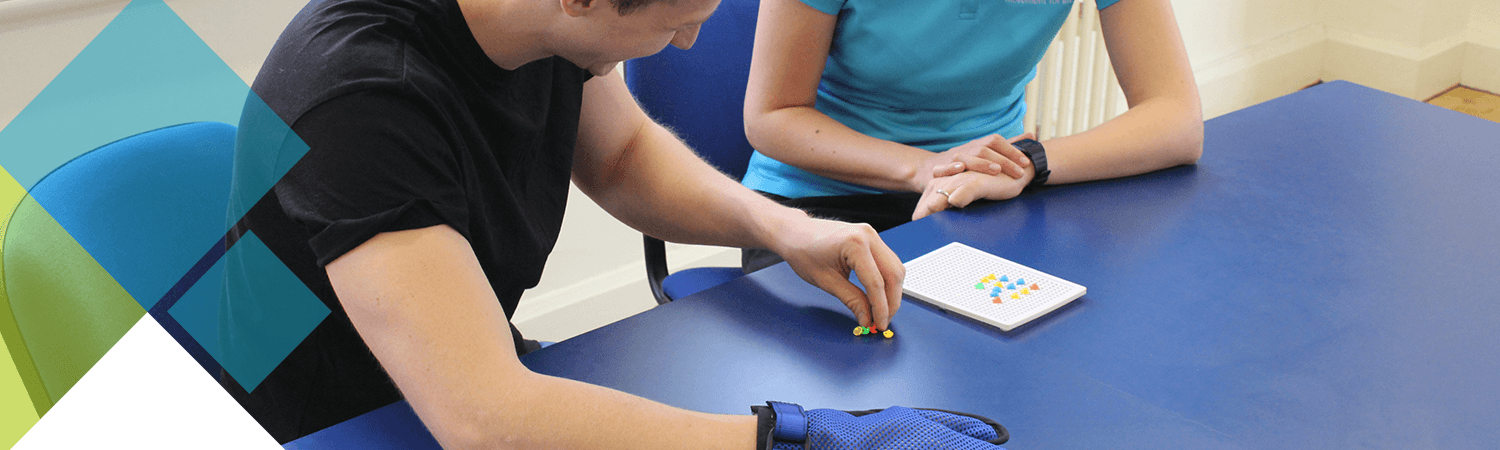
[(940, 191)]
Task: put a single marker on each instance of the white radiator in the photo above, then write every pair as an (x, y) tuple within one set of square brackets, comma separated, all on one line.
[(1075, 87)]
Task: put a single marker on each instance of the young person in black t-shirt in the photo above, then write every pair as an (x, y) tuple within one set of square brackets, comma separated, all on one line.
[(443, 136)]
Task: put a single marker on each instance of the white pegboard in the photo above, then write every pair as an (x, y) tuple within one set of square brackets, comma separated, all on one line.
[(963, 279)]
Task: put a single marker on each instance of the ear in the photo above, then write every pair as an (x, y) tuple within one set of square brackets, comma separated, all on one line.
[(576, 8)]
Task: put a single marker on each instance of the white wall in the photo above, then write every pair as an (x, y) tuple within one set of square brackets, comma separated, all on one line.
[(39, 37), (1482, 54), (1414, 49), (1243, 52), (1247, 51)]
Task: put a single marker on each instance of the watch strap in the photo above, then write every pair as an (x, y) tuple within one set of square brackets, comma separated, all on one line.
[(1038, 156)]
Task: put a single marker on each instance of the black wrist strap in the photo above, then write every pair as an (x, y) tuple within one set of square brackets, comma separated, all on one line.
[(1038, 156), (779, 422), (765, 420), (793, 428)]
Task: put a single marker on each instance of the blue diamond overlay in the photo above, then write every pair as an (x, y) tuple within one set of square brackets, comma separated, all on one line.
[(197, 311)]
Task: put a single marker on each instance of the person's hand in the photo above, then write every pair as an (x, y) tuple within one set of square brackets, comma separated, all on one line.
[(961, 189), (990, 155), (823, 252), (787, 426)]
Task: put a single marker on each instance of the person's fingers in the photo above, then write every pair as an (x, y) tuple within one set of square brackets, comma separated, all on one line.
[(986, 166), (869, 274), (991, 147), (893, 271), (930, 203), (963, 195), (1009, 152), (1006, 167), (848, 294), (950, 169)]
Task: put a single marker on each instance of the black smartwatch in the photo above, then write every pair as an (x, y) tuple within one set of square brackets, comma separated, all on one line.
[(1038, 155)]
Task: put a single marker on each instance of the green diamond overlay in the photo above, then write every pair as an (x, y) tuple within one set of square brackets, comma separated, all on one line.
[(17, 413), (263, 311), (63, 310)]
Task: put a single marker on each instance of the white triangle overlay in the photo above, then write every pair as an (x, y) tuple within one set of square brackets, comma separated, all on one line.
[(147, 392)]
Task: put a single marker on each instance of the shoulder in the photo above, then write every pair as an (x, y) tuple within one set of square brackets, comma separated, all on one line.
[(826, 6), (335, 47)]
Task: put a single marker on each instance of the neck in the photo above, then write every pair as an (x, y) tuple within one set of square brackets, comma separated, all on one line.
[(511, 32)]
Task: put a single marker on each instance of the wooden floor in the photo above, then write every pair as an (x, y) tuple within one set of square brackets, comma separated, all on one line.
[(1470, 101)]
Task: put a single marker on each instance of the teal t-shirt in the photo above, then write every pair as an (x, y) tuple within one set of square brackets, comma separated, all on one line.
[(931, 74)]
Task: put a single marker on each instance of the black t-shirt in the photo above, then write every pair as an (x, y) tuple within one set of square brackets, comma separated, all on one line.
[(409, 125)]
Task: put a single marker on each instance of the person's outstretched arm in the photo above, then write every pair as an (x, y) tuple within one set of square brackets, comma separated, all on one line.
[(1164, 125), (643, 175), (424, 307)]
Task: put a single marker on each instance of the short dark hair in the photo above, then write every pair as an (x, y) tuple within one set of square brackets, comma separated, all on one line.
[(628, 6)]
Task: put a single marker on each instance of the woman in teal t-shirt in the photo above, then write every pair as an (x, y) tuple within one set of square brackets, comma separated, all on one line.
[(853, 102)]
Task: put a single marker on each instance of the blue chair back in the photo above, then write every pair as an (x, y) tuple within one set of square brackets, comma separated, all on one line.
[(148, 206), (700, 93), (100, 240)]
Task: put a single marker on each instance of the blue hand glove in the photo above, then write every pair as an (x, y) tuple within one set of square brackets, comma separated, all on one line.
[(785, 426)]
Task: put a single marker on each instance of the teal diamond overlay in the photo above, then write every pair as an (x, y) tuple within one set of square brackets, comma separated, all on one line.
[(147, 70), (264, 312), (265, 149)]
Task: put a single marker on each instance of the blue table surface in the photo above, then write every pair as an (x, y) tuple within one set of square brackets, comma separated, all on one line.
[(1325, 277)]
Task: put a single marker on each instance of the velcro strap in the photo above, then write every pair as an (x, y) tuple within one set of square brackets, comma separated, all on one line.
[(791, 424)]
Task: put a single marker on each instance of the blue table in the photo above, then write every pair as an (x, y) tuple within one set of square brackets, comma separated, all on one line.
[(1325, 277)]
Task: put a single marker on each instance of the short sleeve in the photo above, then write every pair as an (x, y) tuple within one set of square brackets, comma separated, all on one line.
[(826, 6), (1106, 3), (377, 162)]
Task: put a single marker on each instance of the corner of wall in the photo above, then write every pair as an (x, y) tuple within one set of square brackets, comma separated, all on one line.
[(1405, 70), (1481, 65)]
